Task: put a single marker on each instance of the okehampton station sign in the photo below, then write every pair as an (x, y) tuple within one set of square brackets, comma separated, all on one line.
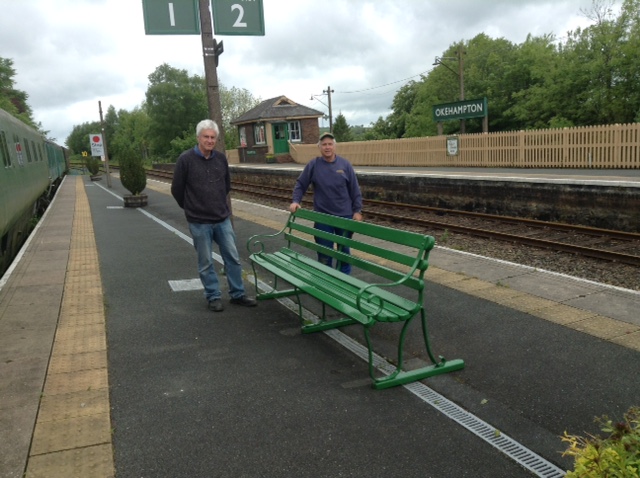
[(460, 110)]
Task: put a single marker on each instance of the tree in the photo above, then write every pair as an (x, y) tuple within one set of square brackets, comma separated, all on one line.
[(234, 102), (132, 132), (11, 100), (402, 105), (110, 126), (341, 129), (175, 102), (590, 79), (78, 139)]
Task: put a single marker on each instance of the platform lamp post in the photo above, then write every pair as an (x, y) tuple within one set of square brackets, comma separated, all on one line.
[(327, 92), (459, 73)]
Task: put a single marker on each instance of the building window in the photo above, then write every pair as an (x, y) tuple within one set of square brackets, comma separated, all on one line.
[(258, 133), (243, 137), (294, 131)]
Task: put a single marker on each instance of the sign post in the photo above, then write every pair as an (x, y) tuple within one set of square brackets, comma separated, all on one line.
[(211, 49)]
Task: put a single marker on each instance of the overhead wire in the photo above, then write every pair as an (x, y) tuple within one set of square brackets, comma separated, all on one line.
[(382, 86)]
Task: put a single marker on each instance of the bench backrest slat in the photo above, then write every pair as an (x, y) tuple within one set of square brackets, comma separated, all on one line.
[(393, 275), (405, 238), (391, 255), (381, 242)]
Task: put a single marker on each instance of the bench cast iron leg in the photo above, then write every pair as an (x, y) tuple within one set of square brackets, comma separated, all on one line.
[(400, 376)]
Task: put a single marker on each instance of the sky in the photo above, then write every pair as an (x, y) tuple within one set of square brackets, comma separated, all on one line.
[(71, 54)]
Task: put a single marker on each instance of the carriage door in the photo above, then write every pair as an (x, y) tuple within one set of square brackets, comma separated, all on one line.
[(280, 138)]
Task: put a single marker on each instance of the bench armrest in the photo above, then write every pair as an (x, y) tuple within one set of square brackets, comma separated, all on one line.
[(365, 295), (255, 244)]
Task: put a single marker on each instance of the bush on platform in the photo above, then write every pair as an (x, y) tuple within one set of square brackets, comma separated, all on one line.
[(132, 173), (93, 165), (133, 177)]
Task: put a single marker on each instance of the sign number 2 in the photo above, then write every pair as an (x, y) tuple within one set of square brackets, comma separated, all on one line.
[(239, 23)]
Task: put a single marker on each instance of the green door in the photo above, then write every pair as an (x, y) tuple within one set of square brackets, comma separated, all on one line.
[(280, 138)]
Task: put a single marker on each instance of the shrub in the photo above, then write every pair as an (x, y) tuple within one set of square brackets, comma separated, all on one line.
[(132, 173), (93, 165), (616, 456)]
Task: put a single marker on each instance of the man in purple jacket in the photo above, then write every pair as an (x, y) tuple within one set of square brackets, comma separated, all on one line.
[(335, 191), (201, 183)]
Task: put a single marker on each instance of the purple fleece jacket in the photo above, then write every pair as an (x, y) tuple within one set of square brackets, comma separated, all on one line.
[(335, 186)]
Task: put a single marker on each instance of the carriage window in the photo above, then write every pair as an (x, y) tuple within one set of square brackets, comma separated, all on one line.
[(27, 149), (18, 146), (4, 150)]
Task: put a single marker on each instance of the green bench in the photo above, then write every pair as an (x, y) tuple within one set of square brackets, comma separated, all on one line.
[(395, 260)]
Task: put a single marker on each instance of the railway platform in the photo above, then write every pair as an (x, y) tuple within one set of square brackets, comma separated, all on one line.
[(111, 364)]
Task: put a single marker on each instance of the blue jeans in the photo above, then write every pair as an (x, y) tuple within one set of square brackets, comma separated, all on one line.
[(328, 260), (222, 233)]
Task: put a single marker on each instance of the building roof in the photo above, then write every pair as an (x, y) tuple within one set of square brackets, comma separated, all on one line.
[(274, 109)]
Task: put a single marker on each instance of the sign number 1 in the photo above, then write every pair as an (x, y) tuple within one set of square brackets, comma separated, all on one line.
[(239, 23)]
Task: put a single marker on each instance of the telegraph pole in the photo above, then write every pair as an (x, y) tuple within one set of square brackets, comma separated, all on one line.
[(460, 54), (328, 91), (104, 143), (211, 50)]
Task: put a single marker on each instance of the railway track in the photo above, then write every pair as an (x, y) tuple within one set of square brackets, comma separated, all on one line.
[(613, 246)]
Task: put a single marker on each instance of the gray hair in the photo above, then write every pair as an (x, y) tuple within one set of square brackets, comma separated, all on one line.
[(207, 124)]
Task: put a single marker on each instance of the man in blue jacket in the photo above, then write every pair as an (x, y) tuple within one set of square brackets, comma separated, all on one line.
[(201, 184), (335, 191)]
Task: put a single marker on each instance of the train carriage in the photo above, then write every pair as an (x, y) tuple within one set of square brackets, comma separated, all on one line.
[(30, 168)]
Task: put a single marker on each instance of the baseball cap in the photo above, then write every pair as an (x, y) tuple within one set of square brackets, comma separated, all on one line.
[(327, 135)]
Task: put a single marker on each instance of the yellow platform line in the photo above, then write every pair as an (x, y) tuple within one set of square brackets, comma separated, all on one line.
[(72, 437)]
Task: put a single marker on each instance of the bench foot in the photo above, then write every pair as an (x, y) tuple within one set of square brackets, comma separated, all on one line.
[(402, 377)]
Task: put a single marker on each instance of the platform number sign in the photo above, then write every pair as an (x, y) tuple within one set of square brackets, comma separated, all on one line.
[(171, 17), (238, 17)]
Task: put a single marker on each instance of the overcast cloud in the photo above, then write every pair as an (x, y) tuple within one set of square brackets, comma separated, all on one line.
[(70, 54)]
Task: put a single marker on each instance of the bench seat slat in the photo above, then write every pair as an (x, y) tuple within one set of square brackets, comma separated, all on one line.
[(399, 306), (338, 292)]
